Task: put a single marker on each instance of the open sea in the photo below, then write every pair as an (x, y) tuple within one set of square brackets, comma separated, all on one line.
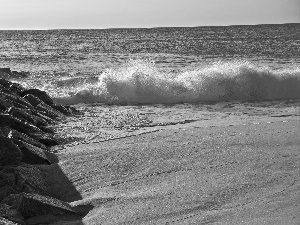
[(166, 71)]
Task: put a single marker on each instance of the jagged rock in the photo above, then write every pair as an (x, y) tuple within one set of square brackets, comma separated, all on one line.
[(27, 115), (72, 110), (15, 135), (32, 154), (3, 105), (5, 70), (21, 114), (34, 101), (44, 138), (5, 83), (23, 178), (42, 95), (41, 107), (15, 87), (31, 205), (6, 190), (11, 214), (61, 109), (7, 73), (4, 221), (15, 100), (10, 154), (16, 124), (42, 116), (49, 111)]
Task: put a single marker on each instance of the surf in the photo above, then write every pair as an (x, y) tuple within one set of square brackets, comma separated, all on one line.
[(142, 82)]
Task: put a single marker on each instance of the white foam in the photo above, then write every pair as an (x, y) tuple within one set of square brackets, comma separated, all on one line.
[(142, 82)]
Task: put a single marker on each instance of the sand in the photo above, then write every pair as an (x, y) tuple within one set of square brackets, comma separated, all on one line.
[(189, 164)]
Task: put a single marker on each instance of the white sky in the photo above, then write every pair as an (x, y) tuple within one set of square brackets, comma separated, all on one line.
[(57, 14)]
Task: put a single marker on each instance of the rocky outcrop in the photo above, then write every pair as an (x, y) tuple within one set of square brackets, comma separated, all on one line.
[(30, 205), (25, 138), (8, 74)]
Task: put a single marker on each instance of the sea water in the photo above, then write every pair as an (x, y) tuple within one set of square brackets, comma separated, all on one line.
[(192, 65), (158, 65)]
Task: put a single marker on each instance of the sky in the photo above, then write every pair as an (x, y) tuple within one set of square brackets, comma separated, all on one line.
[(99, 14)]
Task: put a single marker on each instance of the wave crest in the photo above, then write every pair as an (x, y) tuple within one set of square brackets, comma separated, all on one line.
[(142, 82)]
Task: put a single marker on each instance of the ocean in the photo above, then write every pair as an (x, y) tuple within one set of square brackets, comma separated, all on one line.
[(157, 66)]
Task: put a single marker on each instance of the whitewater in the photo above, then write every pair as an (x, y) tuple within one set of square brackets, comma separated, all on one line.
[(141, 82)]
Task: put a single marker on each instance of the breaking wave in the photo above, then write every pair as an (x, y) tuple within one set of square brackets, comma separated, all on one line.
[(141, 82)]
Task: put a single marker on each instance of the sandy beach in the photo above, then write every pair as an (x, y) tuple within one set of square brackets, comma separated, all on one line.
[(238, 166)]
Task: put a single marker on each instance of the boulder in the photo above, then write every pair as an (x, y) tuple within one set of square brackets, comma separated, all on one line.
[(5, 70), (21, 114), (10, 154), (31, 205), (61, 109), (5, 83), (3, 105), (15, 100), (33, 100), (44, 138), (42, 95), (11, 214), (17, 124), (15, 135), (48, 111), (23, 178), (6, 190), (4, 221), (15, 87), (32, 154), (42, 116), (7, 73)]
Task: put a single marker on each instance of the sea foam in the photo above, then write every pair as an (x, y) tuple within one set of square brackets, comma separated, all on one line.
[(141, 82)]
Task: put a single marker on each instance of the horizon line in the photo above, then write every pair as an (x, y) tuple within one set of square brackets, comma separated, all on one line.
[(111, 28)]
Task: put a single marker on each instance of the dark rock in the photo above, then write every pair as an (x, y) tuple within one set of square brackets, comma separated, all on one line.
[(5, 70), (10, 154), (49, 111), (6, 190), (26, 115), (33, 100), (5, 83), (21, 114), (21, 74), (4, 221), (44, 138), (72, 110), (32, 154), (7, 73), (11, 214), (41, 107), (16, 124), (23, 178), (30, 205), (39, 94), (61, 109), (15, 100), (3, 105), (42, 116), (15, 135), (15, 87)]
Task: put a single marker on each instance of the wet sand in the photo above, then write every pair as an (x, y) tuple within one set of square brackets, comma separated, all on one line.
[(219, 164)]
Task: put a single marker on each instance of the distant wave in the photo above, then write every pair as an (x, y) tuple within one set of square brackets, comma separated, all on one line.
[(141, 82)]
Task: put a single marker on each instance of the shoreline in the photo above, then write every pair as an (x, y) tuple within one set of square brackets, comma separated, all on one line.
[(222, 163)]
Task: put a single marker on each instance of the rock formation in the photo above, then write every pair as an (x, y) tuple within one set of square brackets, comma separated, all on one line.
[(24, 145)]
